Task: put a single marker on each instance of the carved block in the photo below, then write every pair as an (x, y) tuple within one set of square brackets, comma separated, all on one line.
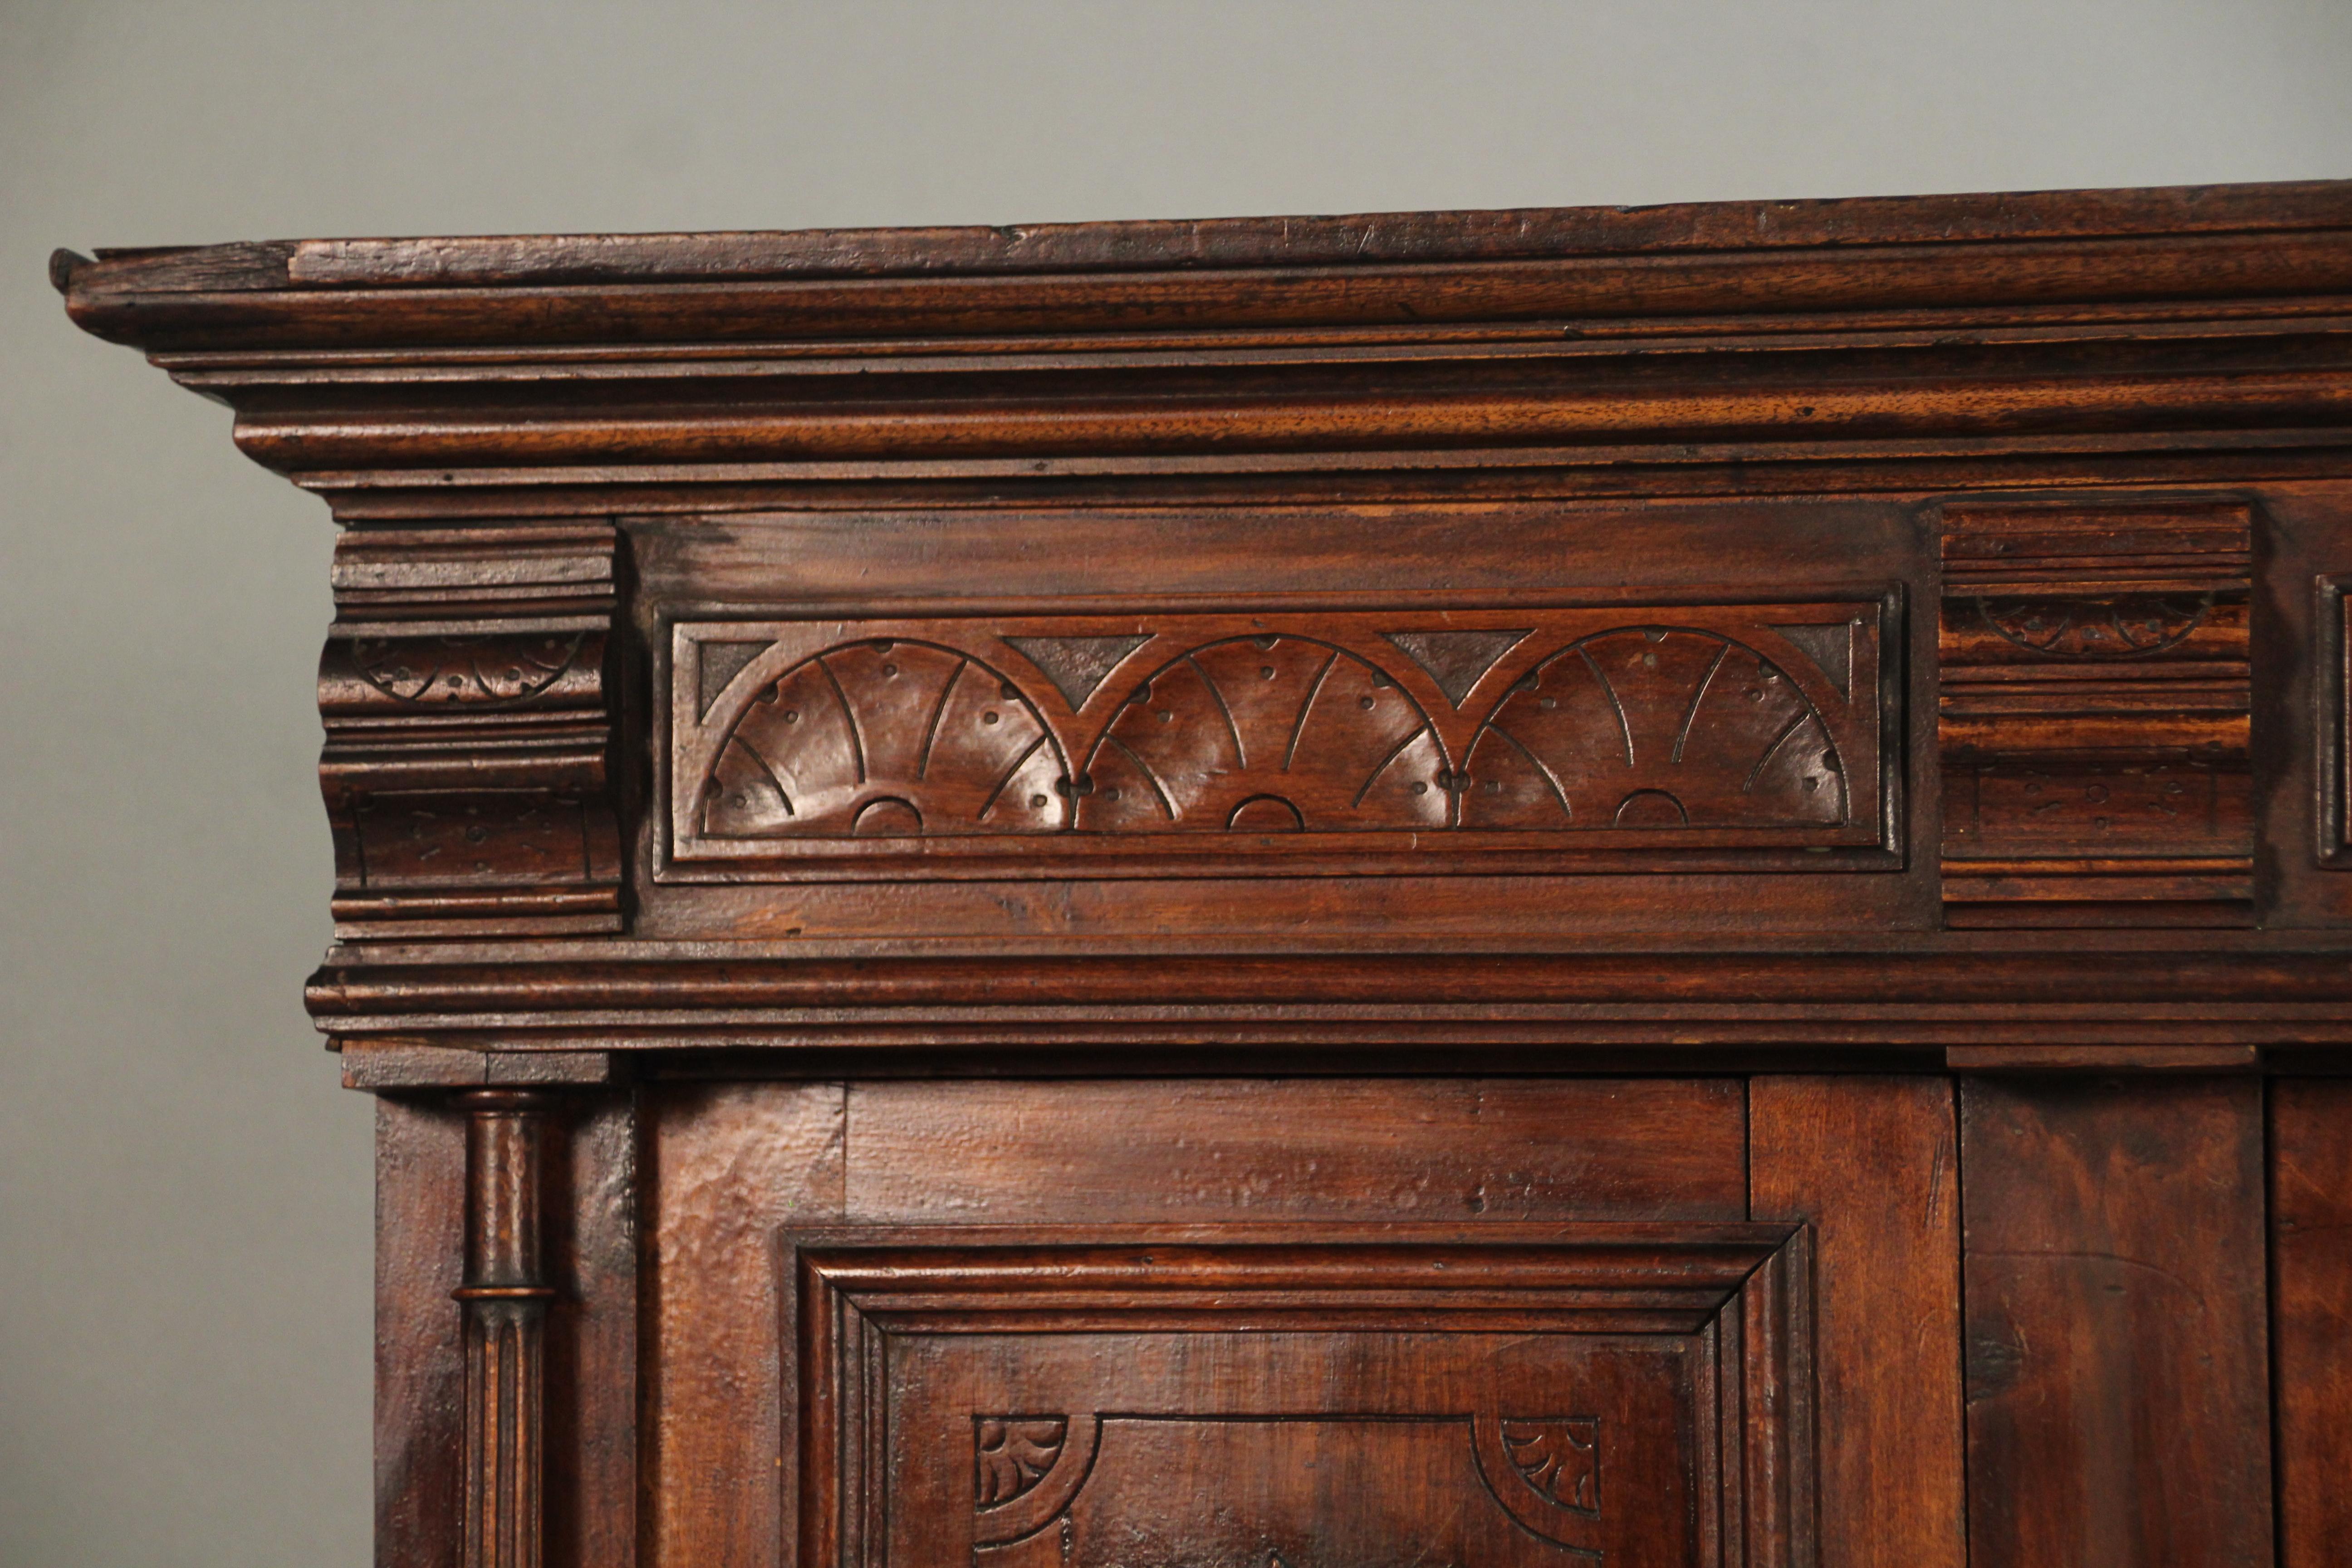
[(1321, 1397), (1398, 740), (2093, 710), (469, 720)]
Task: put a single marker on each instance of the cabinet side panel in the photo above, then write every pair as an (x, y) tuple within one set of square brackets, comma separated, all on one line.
[(731, 1166), (420, 1368), (1872, 1163), (1238, 1149), (2311, 1237), (2116, 1342)]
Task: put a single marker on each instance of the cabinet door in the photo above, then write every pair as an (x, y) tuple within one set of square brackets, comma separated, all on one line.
[(1311, 1322)]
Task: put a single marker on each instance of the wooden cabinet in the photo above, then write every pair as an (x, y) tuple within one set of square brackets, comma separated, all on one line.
[(1645, 887)]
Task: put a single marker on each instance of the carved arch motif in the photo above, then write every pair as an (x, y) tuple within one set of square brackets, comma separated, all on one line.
[(888, 738), (1653, 727), (1751, 726), (1273, 732)]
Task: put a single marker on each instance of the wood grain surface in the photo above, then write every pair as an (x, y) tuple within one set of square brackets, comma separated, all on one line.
[(1872, 1165), (2311, 1280), (2117, 1349)]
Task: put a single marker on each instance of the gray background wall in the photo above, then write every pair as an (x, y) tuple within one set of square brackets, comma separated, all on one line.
[(184, 1203)]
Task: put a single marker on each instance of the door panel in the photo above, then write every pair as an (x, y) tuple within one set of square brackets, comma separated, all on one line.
[(1326, 1397)]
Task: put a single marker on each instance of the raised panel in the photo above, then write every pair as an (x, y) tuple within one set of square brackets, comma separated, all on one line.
[(1327, 1397), (1286, 741)]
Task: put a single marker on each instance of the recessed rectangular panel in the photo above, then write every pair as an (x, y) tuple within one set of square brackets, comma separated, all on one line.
[(1281, 741), (1323, 1397), (1323, 1450)]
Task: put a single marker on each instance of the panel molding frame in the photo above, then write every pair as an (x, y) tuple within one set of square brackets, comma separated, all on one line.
[(1745, 1289), (1860, 716)]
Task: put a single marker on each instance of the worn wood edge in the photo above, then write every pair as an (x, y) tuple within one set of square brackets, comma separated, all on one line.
[(2096, 1060), (1459, 235), (2000, 982), (398, 1064), (135, 302)]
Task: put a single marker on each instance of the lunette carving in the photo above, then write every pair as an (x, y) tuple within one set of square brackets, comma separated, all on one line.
[(1653, 729)]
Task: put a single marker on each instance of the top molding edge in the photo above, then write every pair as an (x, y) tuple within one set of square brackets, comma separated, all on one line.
[(1222, 244)]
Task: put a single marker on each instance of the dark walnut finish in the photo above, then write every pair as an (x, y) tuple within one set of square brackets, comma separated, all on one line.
[(1649, 887)]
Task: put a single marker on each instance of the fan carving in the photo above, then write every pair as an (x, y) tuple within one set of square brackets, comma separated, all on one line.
[(887, 738), (1560, 1459), (1740, 720), (1265, 735), (1655, 727), (1014, 1455)]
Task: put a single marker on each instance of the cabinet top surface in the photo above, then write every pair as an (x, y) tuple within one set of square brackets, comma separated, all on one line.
[(1322, 240), (1597, 264)]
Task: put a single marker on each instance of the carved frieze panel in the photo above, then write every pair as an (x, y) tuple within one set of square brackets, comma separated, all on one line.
[(1322, 1396), (1409, 739), (2095, 705)]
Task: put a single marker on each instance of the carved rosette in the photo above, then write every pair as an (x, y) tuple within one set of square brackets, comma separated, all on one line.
[(1751, 728)]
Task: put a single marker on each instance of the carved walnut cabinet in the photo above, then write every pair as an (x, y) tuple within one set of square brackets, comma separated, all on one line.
[(1494, 889)]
